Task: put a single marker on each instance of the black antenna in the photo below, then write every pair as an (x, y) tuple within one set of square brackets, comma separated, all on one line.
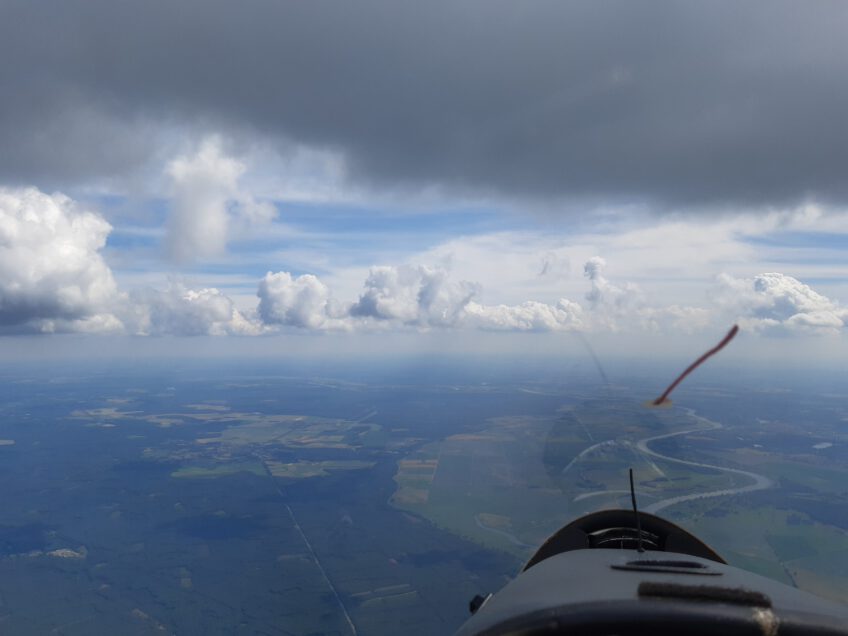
[(636, 514)]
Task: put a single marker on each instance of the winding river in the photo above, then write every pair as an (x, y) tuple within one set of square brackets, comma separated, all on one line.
[(759, 482)]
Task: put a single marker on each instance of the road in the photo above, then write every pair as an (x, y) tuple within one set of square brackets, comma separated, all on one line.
[(503, 533), (586, 451)]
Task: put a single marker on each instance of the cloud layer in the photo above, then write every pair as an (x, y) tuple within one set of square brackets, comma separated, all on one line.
[(676, 103), (53, 278)]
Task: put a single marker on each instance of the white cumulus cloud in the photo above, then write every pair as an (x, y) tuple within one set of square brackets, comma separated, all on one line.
[(208, 204), (774, 302), (183, 311), (303, 302), (52, 276), (626, 308), (414, 295), (402, 297), (612, 306), (566, 315)]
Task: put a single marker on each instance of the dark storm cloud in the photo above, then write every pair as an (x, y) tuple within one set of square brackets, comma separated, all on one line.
[(671, 102)]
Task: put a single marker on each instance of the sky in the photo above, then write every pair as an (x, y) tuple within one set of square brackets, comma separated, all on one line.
[(358, 173)]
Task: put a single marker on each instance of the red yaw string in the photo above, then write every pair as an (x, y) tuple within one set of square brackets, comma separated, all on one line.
[(696, 364)]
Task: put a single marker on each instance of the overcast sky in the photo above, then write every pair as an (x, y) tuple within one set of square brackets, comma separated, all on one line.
[(262, 168)]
